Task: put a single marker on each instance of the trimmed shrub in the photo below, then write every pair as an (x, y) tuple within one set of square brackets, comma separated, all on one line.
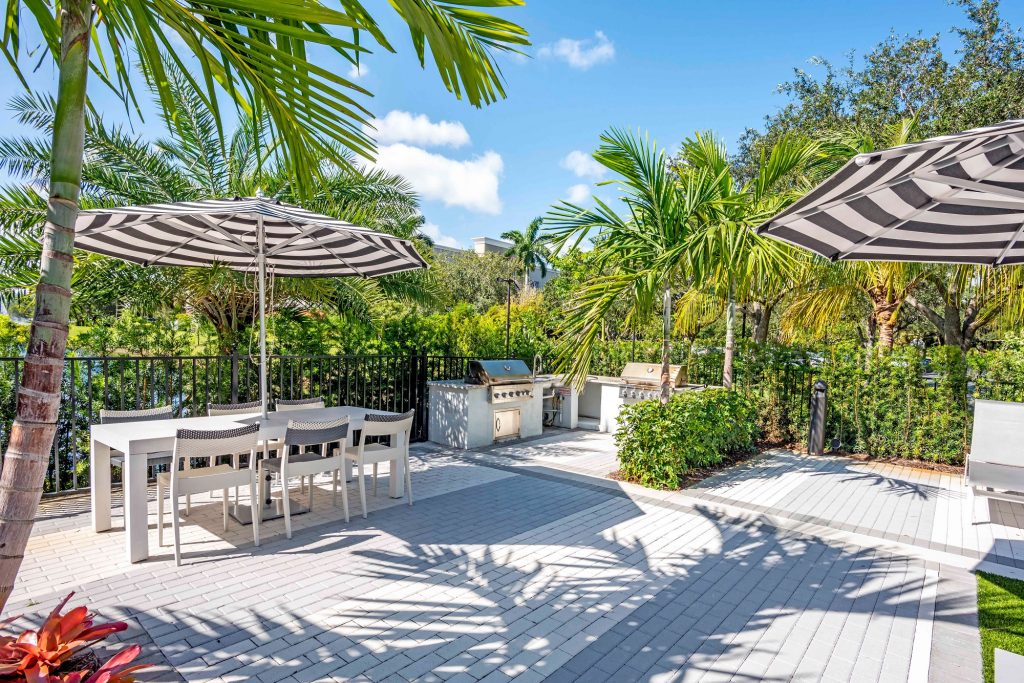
[(658, 443), (900, 404)]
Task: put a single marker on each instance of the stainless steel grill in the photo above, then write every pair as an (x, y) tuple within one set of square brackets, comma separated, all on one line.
[(642, 381), (509, 380)]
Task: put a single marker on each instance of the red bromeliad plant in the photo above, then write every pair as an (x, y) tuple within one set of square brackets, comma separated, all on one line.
[(46, 655)]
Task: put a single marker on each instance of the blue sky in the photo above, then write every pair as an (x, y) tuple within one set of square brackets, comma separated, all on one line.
[(667, 66)]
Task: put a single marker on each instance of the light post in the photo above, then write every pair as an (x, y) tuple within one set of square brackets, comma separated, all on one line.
[(510, 283)]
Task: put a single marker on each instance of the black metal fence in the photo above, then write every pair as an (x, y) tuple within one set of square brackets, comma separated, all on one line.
[(187, 383)]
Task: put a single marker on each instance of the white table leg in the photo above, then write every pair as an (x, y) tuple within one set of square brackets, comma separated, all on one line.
[(396, 479), (351, 448), (136, 509), (99, 484)]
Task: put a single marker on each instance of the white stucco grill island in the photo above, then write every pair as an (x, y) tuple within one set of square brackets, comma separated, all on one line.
[(499, 399)]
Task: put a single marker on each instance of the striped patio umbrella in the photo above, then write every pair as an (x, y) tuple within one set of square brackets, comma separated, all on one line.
[(249, 234), (950, 199)]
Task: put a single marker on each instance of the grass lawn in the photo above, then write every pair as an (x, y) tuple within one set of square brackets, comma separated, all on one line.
[(1000, 616)]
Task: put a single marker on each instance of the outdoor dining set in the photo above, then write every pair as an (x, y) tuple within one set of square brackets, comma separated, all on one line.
[(235, 446)]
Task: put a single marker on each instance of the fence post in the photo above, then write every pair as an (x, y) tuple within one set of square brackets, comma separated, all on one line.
[(819, 400), (418, 369), (234, 375)]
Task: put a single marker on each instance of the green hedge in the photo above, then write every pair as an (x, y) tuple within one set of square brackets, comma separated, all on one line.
[(658, 443), (901, 404)]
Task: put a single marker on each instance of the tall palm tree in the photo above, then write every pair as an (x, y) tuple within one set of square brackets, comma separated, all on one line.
[(728, 259), (254, 53), (529, 247), (642, 250)]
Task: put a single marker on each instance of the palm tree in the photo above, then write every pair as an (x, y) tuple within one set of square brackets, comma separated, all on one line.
[(253, 53), (529, 248), (826, 291), (120, 169), (829, 291), (642, 251), (728, 259)]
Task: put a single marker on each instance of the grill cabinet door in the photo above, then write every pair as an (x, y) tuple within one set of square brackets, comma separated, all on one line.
[(506, 423)]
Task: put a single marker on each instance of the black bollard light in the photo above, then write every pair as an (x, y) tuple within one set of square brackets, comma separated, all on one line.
[(819, 409)]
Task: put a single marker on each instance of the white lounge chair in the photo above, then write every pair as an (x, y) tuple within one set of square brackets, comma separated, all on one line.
[(995, 464)]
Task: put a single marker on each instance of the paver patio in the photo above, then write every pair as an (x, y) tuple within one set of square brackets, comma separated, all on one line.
[(522, 562)]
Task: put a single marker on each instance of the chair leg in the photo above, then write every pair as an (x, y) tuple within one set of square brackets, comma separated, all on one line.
[(257, 509), (237, 464), (362, 488), (227, 502), (374, 480), (310, 493), (159, 513), (188, 505), (286, 499), (344, 495), (408, 479), (175, 525), (334, 488)]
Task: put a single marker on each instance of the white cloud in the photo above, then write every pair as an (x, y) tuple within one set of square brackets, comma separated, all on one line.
[(471, 184), (417, 129), (581, 54), (583, 165), (577, 194), (355, 72), (433, 231)]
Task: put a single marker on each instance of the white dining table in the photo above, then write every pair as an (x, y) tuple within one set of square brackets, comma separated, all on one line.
[(139, 439)]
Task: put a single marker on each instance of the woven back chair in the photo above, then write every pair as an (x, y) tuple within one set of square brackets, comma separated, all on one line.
[(208, 444), (233, 408), (109, 417), (397, 427), (299, 459), (300, 404)]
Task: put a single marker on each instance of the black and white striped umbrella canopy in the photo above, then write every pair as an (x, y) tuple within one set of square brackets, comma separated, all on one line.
[(298, 243), (951, 199)]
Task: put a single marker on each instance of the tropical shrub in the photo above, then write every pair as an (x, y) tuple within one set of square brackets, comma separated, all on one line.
[(658, 443), (57, 652)]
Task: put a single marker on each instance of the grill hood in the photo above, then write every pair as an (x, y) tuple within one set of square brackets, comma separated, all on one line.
[(490, 372), (649, 374)]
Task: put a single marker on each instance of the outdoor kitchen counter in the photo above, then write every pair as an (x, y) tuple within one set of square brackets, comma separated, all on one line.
[(463, 416)]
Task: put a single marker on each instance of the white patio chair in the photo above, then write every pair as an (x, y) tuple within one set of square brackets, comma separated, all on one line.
[(215, 409), (398, 429), (282, 405), (196, 443), (233, 408), (307, 463), (299, 404), (995, 464), (142, 415)]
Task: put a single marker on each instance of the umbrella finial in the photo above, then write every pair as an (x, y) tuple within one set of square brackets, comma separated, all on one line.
[(259, 193)]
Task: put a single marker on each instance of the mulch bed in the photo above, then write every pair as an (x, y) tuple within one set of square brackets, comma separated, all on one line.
[(697, 475)]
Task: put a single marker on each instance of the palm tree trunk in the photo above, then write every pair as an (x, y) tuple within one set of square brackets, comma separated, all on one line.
[(730, 341), (24, 464), (666, 348)]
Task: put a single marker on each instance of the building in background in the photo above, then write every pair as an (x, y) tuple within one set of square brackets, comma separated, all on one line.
[(492, 245)]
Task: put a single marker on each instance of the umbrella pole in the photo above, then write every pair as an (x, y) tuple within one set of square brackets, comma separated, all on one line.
[(261, 260)]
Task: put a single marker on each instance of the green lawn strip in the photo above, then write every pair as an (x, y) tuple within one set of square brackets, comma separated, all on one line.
[(1000, 617)]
